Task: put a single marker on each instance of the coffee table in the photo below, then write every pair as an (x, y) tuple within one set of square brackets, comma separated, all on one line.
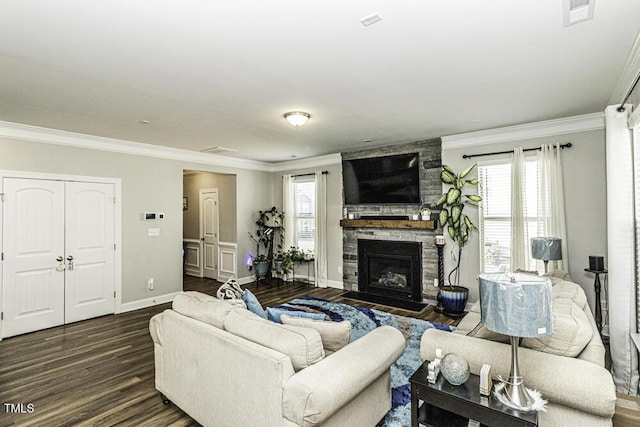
[(448, 405)]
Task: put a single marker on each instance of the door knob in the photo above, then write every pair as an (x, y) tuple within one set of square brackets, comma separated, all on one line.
[(70, 263), (60, 266)]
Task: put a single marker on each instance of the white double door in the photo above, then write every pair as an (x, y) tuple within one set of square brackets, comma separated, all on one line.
[(58, 247)]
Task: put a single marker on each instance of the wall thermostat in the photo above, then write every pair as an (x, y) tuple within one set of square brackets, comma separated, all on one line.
[(152, 216)]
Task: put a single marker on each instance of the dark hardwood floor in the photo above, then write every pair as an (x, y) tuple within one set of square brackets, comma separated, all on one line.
[(100, 371)]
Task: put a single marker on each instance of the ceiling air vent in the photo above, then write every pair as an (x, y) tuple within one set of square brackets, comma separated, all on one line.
[(219, 150), (371, 19), (575, 11)]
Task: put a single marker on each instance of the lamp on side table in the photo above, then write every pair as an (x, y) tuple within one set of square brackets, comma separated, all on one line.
[(547, 249), (517, 305)]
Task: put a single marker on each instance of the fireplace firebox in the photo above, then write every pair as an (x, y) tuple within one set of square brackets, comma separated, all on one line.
[(390, 268)]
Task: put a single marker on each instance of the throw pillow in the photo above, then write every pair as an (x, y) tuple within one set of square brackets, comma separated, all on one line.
[(302, 345), (230, 290), (334, 335), (571, 331), (274, 314), (253, 304)]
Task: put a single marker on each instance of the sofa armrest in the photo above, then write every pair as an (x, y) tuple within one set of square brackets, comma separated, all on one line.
[(564, 380), (155, 328), (316, 392)]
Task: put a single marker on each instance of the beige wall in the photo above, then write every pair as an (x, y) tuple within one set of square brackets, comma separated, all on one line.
[(585, 203), (334, 214), (226, 185), (148, 184)]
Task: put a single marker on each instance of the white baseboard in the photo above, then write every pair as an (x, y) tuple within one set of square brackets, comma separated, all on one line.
[(148, 302), (245, 280), (335, 284)]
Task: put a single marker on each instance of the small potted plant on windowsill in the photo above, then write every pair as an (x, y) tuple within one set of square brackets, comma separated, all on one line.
[(459, 227)]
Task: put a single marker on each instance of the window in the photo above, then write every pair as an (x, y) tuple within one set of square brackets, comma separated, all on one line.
[(495, 214), (304, 221)]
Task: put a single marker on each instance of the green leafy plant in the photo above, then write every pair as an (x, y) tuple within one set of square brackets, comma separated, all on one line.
[(268, 220), (284, 259), (452, 216), (295, 254)]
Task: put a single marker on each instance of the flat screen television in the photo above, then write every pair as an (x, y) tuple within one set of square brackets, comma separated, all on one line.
[(382, 180)]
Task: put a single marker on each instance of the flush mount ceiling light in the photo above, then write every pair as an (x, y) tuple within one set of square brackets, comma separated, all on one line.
[(297, 118)]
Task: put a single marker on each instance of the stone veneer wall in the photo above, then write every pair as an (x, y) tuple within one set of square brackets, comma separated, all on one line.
[(430, 152)]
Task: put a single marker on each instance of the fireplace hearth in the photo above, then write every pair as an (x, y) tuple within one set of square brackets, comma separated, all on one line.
[(390, 269)]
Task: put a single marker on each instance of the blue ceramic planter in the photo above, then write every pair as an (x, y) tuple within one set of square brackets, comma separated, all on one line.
[(261, 269), (454, 299)]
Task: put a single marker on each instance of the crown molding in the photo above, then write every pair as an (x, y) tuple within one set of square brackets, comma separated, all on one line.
[(584, 123), (629, 73), (71, 139), (310, 162)]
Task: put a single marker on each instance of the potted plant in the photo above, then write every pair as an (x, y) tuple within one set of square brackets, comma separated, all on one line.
[(261, 264), (268, 225), (459, 227)]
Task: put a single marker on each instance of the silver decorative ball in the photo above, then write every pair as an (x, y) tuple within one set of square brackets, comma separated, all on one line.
[(455, 369)]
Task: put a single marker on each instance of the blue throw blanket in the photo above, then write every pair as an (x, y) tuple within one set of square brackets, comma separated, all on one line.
[(364, 320)]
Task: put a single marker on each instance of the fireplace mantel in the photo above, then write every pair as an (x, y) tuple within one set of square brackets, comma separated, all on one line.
[(388, 223)]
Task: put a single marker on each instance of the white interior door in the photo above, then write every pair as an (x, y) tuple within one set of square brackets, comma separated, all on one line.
[(89, 250), (209, 231), (33, 288)]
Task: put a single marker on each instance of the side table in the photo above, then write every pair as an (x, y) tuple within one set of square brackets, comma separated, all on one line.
[(597, 286), (451, 406)]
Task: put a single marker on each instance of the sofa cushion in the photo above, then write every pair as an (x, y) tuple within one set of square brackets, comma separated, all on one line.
[(471, 325), (571, 330), (274, 314), (302, 345), (253, 304), (204, 307), (570, 290), (334, 335)]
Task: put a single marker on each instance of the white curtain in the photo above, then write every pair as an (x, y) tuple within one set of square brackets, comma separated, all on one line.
[(288, 209), (519, 236), (551, 216), (321, 230), (621, 250)]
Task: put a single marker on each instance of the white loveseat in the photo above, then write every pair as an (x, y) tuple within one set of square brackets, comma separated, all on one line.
[(579, 389), (225, 366)]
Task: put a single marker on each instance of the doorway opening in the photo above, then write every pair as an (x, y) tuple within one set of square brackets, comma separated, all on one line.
[(209, 225)]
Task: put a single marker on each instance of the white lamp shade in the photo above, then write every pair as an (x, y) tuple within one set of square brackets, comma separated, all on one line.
[(297, 118), (518, 305), (546, 248)]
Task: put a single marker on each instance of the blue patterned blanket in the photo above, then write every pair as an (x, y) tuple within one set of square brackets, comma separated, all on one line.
[(364, 320)]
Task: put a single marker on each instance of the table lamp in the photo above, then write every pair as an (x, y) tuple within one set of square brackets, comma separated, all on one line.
[(517, 305), (546, 249)]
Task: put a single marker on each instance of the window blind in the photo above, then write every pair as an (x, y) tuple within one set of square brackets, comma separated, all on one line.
[(305, 214)]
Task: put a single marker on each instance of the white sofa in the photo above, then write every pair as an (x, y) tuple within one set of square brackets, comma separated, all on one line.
[(225, 366), (579, 389)]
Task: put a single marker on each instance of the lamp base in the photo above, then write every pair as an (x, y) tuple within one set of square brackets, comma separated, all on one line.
[(516, 398), (512, 392)]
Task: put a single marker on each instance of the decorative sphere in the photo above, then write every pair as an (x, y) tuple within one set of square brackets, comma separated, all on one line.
[(455, 369)]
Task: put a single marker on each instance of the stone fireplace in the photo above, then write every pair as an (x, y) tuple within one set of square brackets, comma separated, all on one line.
[(390, 268), (418, 233)]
